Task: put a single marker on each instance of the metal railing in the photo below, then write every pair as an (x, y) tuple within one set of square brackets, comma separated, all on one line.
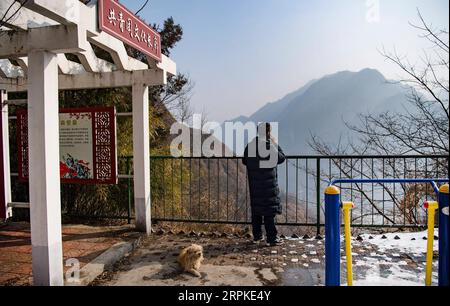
[(215, 190)]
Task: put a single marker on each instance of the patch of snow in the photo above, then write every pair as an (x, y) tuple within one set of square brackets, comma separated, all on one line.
[(397, 275), (404, 244)]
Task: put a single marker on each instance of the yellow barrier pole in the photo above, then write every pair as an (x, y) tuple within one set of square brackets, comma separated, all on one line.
[(431, 206), (346, 207)]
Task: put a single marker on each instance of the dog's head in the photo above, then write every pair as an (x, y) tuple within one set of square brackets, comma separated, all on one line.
[(195, 250)]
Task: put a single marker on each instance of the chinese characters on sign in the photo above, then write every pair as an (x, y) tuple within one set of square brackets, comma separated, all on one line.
[(87, 145), (118, 21), (75, 146)]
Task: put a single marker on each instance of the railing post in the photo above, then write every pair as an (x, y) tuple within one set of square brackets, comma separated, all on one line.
[(129, 189), (332, 236), (318, 191), (5, 173), (444, 265)]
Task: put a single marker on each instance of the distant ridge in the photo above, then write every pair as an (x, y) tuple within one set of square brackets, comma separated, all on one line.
[(322, 107)]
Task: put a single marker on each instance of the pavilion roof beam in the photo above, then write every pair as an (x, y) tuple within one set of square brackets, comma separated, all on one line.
[(64, 12), (166, 64), (24, 18), (118, 52), (23, 63), (89, 80), (9, 70), (92, 63), (58, 39), (68, 67)]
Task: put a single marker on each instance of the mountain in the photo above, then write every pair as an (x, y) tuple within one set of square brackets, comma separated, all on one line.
[(323, 107)]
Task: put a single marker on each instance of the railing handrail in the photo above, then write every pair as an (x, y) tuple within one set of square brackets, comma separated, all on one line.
[(432, 181), (307, 156)]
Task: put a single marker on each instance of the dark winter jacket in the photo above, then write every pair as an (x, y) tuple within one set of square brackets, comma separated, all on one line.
[(263, 182)]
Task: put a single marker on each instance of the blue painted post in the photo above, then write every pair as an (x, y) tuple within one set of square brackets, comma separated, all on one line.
[(444, 229), (332, 236)]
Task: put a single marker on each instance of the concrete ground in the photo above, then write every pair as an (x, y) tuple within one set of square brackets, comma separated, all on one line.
[(84, 243), (229, 260), (234, 261)]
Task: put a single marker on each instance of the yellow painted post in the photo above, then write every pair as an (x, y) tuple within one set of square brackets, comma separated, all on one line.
[(431, 206), (346, 207)]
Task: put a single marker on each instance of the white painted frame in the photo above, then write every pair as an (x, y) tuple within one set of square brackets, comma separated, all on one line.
[(36, 39)]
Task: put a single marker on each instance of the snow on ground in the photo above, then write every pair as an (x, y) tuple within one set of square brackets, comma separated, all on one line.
[(387, 266), (386, 273), (411, 243)]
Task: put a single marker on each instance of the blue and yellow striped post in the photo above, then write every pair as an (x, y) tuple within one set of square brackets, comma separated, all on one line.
[(444, 229), (431, 206), (332, 236)]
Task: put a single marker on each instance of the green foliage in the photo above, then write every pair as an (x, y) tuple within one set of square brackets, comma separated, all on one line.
[(113, 200), (171, 34)]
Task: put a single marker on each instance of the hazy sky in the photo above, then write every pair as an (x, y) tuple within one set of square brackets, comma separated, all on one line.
[(242, 54)]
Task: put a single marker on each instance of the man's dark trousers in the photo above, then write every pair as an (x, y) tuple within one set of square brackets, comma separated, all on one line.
[(269, 225)]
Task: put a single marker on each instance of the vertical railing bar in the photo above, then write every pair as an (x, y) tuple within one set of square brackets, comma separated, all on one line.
[(383, 188), (209, 189), (426, 176), (173, 187), (405, 169), (199, 189), (227, 173), (296, 190), (415, 191), (426, 185), (318, 196), (218, 189), (190, 188), (246, 196), (181, 188), (373, 193), (164, 188), (307, 190), (395, 195), (361, 192), (287, 187), (351, 188), (129, 189), (236, 205)]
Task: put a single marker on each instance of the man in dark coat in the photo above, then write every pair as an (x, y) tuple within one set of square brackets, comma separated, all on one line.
[(261, 156)]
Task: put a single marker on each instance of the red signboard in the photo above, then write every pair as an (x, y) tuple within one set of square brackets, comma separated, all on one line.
[(116, 20), (87, 145)]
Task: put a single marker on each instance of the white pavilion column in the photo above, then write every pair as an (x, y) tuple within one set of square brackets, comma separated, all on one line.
[(44, 180), (141, 158), (5, 172)]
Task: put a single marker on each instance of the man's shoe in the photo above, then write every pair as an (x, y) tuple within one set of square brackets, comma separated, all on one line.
[(275, 242), (258, 241)]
